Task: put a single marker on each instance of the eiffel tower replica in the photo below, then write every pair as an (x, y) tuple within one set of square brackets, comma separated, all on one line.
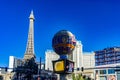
[(29, 53), (28, 68)]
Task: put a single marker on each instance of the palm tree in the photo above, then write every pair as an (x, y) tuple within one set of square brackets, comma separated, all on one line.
[(73, 77), (79, 77)]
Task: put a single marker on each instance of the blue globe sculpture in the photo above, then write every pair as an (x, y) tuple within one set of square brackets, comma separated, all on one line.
[(63, 42)]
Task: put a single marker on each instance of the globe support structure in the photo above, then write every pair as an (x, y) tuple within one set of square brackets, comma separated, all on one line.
[(63, 43)]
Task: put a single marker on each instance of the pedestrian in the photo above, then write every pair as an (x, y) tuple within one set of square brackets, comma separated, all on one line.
[(38, 78)]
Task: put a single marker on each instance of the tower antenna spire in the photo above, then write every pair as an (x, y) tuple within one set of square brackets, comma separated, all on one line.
[(29, 53)]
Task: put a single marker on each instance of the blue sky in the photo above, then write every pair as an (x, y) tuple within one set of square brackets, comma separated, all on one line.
[(96, 23)]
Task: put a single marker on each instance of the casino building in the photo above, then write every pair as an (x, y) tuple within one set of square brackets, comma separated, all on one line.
[(104, 59)]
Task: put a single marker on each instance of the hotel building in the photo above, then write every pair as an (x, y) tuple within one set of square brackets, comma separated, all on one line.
[(104, 61)]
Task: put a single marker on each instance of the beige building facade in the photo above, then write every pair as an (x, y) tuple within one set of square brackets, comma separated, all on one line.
[(49, 57), (89, 62)]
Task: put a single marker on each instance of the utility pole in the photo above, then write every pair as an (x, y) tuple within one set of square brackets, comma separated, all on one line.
[(40, 67)]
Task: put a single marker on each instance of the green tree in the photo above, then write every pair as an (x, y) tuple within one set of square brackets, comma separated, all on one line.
[(77, 77), (73, 77), (31, 68), (28, 69)]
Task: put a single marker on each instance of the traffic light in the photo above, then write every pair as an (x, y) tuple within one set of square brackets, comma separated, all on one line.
[(89, 78), (78, 69), (82, 69), (6, 69)]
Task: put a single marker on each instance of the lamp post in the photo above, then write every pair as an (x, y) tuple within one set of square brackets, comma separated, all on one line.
[(63, 43)]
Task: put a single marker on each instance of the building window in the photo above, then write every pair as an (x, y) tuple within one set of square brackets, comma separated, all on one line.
[(102, 71), (111, 71)]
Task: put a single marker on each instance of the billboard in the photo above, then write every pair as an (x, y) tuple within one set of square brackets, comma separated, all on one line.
[(112, 77), (63, 66)]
